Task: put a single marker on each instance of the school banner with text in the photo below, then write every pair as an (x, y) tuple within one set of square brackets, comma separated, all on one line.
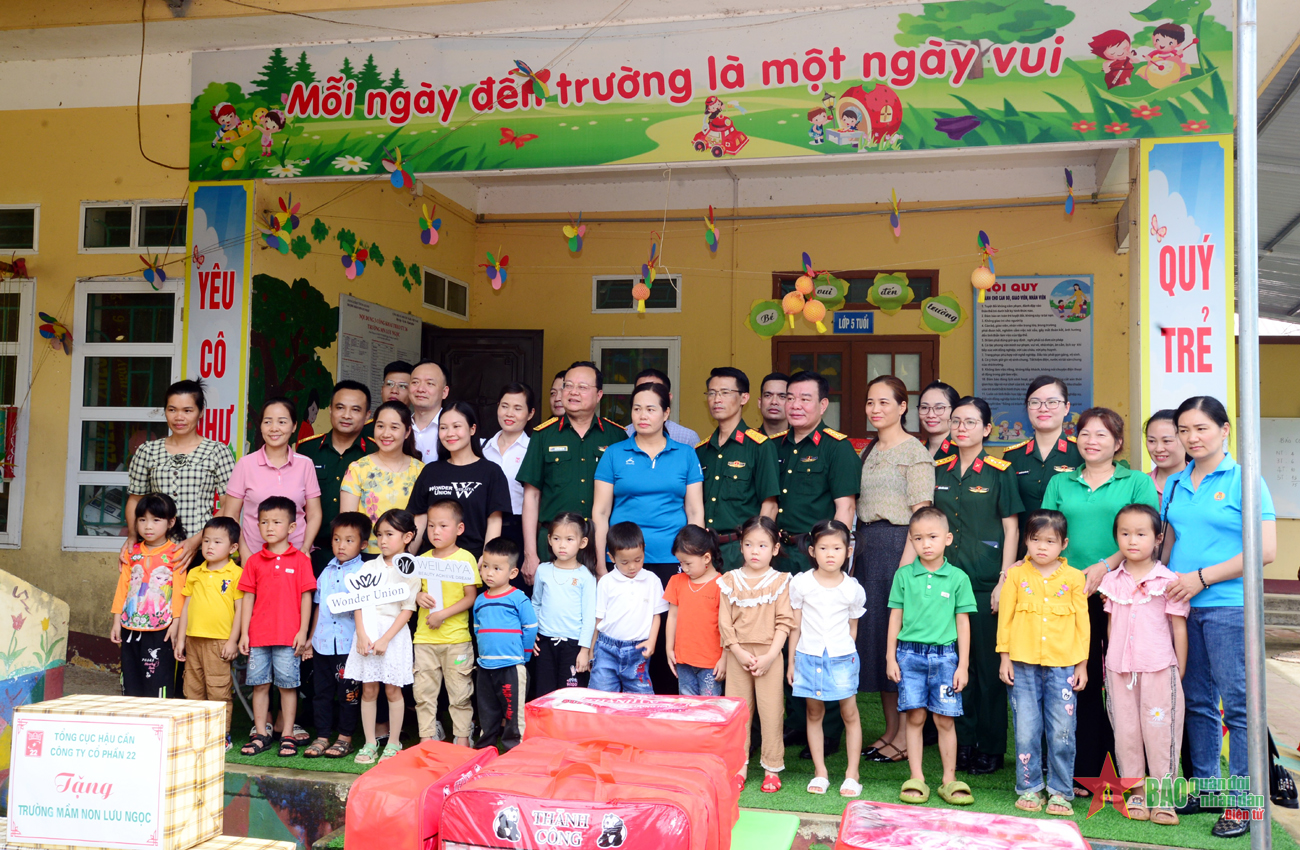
[(799, 83), (1186, 228)]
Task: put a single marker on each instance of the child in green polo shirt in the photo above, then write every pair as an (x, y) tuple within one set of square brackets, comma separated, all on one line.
[(928, 650)]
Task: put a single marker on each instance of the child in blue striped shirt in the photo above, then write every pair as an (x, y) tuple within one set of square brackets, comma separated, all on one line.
[(506, 628)]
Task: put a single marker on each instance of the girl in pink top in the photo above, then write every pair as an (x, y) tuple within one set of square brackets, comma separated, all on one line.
[(1147, 654)]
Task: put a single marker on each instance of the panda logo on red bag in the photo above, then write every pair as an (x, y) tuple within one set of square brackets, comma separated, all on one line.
[(612, 833), (506, 824)]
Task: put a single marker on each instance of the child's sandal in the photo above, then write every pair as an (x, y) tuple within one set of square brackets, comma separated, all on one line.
[(317, 748), (818, 785), (1060, 807), (257, 744), (850, 788), (956, 793), (369, 754), (1030, 801), (288, 748), (1164, 817), (914, 791), (341, 747), (391, 749)]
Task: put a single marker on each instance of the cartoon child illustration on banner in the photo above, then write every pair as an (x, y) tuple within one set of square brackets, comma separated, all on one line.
[(1115, 49), (1165, 63), (718, 134)]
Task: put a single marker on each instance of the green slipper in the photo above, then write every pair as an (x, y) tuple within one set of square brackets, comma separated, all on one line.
[(1060, 807), (956, 793), (917, 787), (369, 754)]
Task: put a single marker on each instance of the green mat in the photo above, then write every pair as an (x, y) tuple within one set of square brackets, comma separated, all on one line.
[(993, 793), (764, 831)]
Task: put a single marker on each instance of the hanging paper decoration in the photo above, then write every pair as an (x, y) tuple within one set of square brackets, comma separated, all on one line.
[(710, 231), (354, 262), (286, 219), (641, 291), (16, 267), (574, 231), (278, 226), (496, 271), (429, 226), (56, 332), (1069, 199), (398, 176), (894, 221), (890, 292), (153, 272), (984, 277), (941, 314), (765, 317), (536, 85), (821, 285)]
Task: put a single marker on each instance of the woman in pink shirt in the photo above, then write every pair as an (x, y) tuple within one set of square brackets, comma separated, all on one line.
[(275, 469)]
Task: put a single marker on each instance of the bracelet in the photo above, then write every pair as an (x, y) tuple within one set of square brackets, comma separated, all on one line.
[(1103, 562), (1201, 576)]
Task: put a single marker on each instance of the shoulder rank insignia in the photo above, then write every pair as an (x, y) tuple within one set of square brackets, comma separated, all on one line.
[(1072, 439), (780, 433), (945, 461), (834, 435), (548, 423), (702, 443), (998, 463), (756, 436), (1019, 446)]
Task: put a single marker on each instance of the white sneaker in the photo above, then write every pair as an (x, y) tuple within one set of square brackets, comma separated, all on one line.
[(439, 732)]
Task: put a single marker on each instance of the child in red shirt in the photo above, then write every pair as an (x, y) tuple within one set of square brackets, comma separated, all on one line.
[(277, 584), (148, 601), (694, 644)]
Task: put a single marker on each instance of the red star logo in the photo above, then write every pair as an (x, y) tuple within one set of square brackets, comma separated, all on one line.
[(1108, 786)]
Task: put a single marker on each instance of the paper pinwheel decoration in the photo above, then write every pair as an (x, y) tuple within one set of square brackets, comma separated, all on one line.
[(765, 318), (153, 272), (890, 292), (984, 277), (536, 85), (641, 291), (399, 176), (286, 219), (574, 231), (354, 262), (1069, 198), (711, 231), (273, 236), (429, 226), (496, 271), (16, 267), (56, 332), (894, 221)]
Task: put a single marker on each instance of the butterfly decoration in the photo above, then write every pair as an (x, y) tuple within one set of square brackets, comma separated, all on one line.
[(508, 137), (983, 277), (894, 220), (710, 231), (641, 291), (153, 272), (1069, 198), (496, 271), (574, 231), (536, 85), (198, 259), (1157, 231), (56, 332), (354, 263), (429, 226), (397, 175)]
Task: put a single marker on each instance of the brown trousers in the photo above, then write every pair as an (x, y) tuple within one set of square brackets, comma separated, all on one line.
[(769, 694), (452, 663), (207, 674)]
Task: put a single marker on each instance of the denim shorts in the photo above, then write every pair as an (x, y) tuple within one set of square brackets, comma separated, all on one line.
[(927, 678), (618, 665), (265, 660), (826, 678)]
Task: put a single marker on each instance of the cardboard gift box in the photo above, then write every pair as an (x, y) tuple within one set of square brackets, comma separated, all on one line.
[(117, 772), (233, 842)]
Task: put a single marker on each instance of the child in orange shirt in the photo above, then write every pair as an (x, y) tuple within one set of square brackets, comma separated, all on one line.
[(694, 644), (148, 601)]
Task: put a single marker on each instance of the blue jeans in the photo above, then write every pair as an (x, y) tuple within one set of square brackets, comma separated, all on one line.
[(927, 672), (1216, 659), (697, 682), (1042, 699), (618, 665)]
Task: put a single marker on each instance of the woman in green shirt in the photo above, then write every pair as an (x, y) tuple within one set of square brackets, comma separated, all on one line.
[(978, 494), (1091, 497)]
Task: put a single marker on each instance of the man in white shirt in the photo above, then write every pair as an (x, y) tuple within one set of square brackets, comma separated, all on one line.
[(429, 388), (680, 433)]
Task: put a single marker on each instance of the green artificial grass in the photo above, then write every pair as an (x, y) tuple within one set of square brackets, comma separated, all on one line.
[(994, 793), (242, 725)]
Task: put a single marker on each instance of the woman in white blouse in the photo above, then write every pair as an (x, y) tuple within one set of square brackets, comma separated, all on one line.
[(506, 448)]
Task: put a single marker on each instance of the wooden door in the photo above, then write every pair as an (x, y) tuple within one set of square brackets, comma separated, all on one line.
[(481, 362)]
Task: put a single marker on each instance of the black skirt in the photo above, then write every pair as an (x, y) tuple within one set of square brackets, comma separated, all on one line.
[(878, 549)]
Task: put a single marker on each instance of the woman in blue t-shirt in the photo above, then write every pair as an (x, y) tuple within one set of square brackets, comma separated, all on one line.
[(1202, 507), (655, 482)]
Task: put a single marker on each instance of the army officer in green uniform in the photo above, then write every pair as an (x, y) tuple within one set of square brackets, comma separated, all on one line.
[(1050, 452), (978, 493), (739, 463), (559, 468)]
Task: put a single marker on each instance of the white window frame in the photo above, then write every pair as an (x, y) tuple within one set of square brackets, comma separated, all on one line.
[(72, 542), (672, 343), (673, 280), (36, 228), (13, 538), (426, 305), (136, 208)]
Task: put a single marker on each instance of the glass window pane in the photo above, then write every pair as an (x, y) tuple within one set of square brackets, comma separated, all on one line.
[(4, 508), (434, 294), (879, 364), (107, 227), (108, 446), (620, 365), (831, 367), (616, 406), (832, 417), (162, 227), (101, 510), (8, 378), (801, 363), (9, 316), (912, 419), (17, 229), (907, 368), (457, 299), (616, 294), (126, 381), (130, 317)]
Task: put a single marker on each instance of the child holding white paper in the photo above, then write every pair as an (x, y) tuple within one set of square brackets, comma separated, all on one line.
[(443, 652), (381, 651)]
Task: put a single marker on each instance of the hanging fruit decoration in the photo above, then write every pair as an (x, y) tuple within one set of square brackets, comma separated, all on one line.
[(819, 292), (984, 277), (792, 304)]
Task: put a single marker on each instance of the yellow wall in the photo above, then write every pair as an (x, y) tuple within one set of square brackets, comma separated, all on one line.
[(1279, 364)]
